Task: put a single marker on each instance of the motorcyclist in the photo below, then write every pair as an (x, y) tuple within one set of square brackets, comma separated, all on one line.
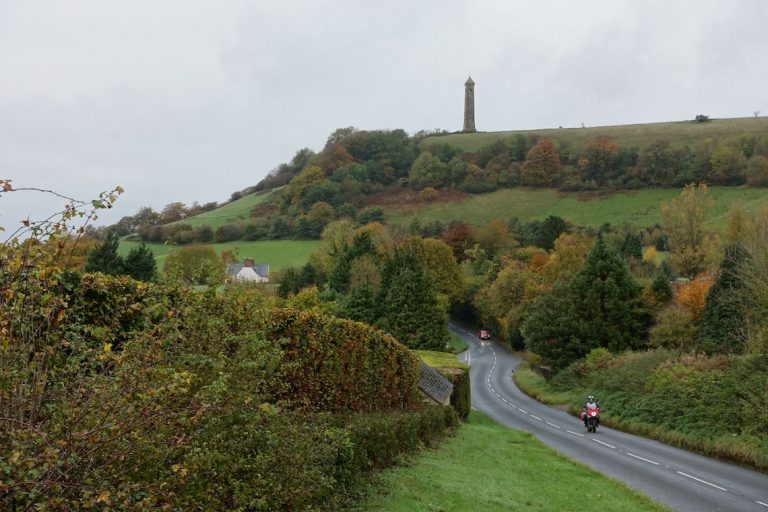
[(590, 404)]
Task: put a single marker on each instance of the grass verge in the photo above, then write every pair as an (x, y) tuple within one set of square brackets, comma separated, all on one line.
[(456, 344), (489, 467), (439, 359)]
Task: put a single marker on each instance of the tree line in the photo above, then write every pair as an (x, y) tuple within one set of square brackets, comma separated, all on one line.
[(314, 189)]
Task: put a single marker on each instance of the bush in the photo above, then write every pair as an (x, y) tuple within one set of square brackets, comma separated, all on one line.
[(228, 233), (461, 398)]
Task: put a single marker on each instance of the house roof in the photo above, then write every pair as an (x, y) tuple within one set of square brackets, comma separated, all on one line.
[(434, 385), (262, 269)]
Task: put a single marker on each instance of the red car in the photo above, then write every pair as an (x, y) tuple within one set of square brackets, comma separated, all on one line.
[(485, 335)]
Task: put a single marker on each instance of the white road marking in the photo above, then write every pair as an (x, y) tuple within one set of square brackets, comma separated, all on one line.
[(604, 444), (553, 425), (535, 417), (473, 408), (575, 433), (761, 503), (522, 410), (641, 458), (702, 481)]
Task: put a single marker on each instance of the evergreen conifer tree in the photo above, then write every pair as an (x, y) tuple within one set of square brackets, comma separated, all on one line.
[(661, 289), (610, 312), (410, 310), (361, 245), (633, 246), (360, 305), (104, 258), (140, 263), (722, 322)]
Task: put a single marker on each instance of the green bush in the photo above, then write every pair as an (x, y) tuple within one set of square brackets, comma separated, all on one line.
[(461, 397)]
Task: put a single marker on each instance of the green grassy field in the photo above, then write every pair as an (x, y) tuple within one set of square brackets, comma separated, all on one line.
[(641, 207), (679, 133), (278, 253), (489, 467), (233, 212)]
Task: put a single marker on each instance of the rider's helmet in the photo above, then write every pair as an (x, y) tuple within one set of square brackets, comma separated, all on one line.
[(590, 398)]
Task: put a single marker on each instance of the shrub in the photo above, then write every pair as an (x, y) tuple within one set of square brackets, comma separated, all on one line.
[(228, 233)]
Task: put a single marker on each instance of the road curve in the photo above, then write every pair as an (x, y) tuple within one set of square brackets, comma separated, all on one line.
[(680, 479)]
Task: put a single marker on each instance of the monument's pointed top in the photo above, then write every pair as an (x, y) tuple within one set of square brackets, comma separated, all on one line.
[(469, 81)]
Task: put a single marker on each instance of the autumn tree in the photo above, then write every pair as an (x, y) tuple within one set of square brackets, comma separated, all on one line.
[(691, 243), (437, 259), (757, 171), (173, 212), (195, 264), (493, 237), (657, 164), (428, 171), (505, 301), (541, 165), (727, 166), (457, 236), (597, 161), (693, 295), (568, 257)]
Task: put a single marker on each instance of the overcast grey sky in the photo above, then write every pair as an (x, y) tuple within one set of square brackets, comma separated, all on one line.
[(185, 100)]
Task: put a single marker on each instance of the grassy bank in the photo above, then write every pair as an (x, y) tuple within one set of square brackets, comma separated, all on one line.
[(230, 213), (278, 253), (710, 407), (640, 207), (489, 467)]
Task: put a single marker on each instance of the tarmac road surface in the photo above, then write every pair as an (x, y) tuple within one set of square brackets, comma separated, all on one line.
[(680, 479)]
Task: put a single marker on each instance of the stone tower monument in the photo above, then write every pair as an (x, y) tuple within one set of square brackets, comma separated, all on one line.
[(469, 106)]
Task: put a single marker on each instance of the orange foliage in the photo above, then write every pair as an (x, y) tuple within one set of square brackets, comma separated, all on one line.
[(693, 295), (538, 261)]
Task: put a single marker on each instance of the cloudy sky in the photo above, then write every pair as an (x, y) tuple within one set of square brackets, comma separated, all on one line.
[(187, 100)]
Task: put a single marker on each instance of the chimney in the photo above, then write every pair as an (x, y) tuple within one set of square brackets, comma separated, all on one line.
[(248, 262)]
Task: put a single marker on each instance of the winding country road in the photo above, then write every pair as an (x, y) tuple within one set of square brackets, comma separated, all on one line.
[(680, 479)]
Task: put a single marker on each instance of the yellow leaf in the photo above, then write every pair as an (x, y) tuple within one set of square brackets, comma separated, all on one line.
[(104, 498)]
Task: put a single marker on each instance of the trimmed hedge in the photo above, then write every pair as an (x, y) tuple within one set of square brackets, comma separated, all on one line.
[(461, 398), (336, 365)]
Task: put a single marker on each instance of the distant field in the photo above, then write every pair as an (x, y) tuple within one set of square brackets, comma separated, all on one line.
[(679, 133), (641, 207), (278, 253), (233, 212), (492, 468)]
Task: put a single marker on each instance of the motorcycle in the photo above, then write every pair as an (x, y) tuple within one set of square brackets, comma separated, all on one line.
[(593, 419)]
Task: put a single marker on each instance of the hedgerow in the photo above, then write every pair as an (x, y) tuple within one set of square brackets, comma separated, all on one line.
[(134, 396)]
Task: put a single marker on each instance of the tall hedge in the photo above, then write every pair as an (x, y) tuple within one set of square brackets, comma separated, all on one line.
[(331, 364)]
